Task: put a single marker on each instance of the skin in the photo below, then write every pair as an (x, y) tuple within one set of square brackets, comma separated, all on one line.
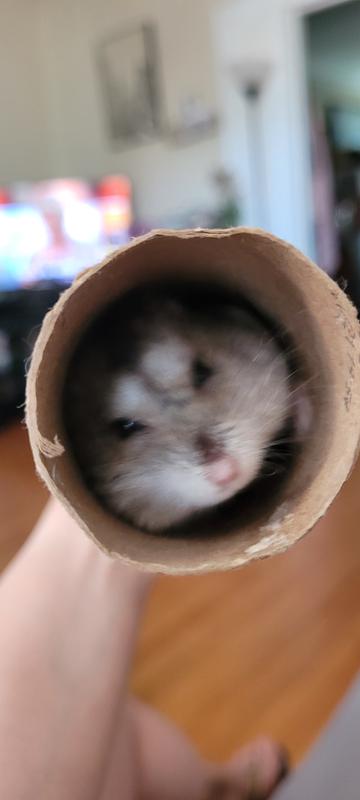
[(68, 728)]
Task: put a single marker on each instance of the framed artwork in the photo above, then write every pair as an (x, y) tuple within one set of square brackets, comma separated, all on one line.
[(128, 64)]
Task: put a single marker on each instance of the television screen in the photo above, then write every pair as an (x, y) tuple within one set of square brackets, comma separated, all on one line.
[(52, 230)]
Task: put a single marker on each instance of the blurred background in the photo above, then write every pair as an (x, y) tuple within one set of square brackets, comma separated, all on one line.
[(118, 117)]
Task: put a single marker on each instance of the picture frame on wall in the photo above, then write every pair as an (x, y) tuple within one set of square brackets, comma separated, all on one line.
[(129, 77)]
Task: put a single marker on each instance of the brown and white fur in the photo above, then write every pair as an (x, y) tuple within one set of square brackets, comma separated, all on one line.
[(172, 405)]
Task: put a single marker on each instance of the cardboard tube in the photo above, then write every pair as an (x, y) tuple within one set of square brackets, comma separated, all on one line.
[(293, 291)]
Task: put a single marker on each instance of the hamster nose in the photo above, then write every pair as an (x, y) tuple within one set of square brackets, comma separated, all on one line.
[(223, 471), (221, 468)]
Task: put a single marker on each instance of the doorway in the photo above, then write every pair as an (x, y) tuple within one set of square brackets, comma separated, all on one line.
[(333, 75)]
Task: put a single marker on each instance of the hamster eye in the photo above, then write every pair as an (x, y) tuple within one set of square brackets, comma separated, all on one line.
[(125, 427), (201, 373)]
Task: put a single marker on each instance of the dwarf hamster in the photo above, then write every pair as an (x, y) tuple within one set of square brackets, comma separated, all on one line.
[(173, 400)]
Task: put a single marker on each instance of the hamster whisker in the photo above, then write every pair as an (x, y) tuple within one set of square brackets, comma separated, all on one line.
[(270, 470), (157, 480), (286, 440), (301, 385)]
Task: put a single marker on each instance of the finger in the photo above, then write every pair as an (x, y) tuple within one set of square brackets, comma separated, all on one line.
[(121, 775), (169, 766), (171, 769), (256, 770), (68, 622), (74, 599)]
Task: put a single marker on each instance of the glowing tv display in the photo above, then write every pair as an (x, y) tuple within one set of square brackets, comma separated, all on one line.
[(50, 231)]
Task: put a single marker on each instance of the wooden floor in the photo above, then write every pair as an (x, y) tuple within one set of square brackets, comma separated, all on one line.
[(270, 648)]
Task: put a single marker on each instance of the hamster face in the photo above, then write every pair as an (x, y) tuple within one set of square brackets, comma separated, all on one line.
[(187, 424)]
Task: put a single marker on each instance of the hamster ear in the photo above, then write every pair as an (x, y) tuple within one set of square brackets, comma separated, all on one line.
[(163, 308), (155, 311), (242, 316)]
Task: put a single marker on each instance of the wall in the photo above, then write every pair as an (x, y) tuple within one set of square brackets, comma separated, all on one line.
[(269, 38), (24, 139), (54, 121), (168, 178)]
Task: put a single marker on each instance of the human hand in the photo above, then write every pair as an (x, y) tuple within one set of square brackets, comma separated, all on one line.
[(68, 729)]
